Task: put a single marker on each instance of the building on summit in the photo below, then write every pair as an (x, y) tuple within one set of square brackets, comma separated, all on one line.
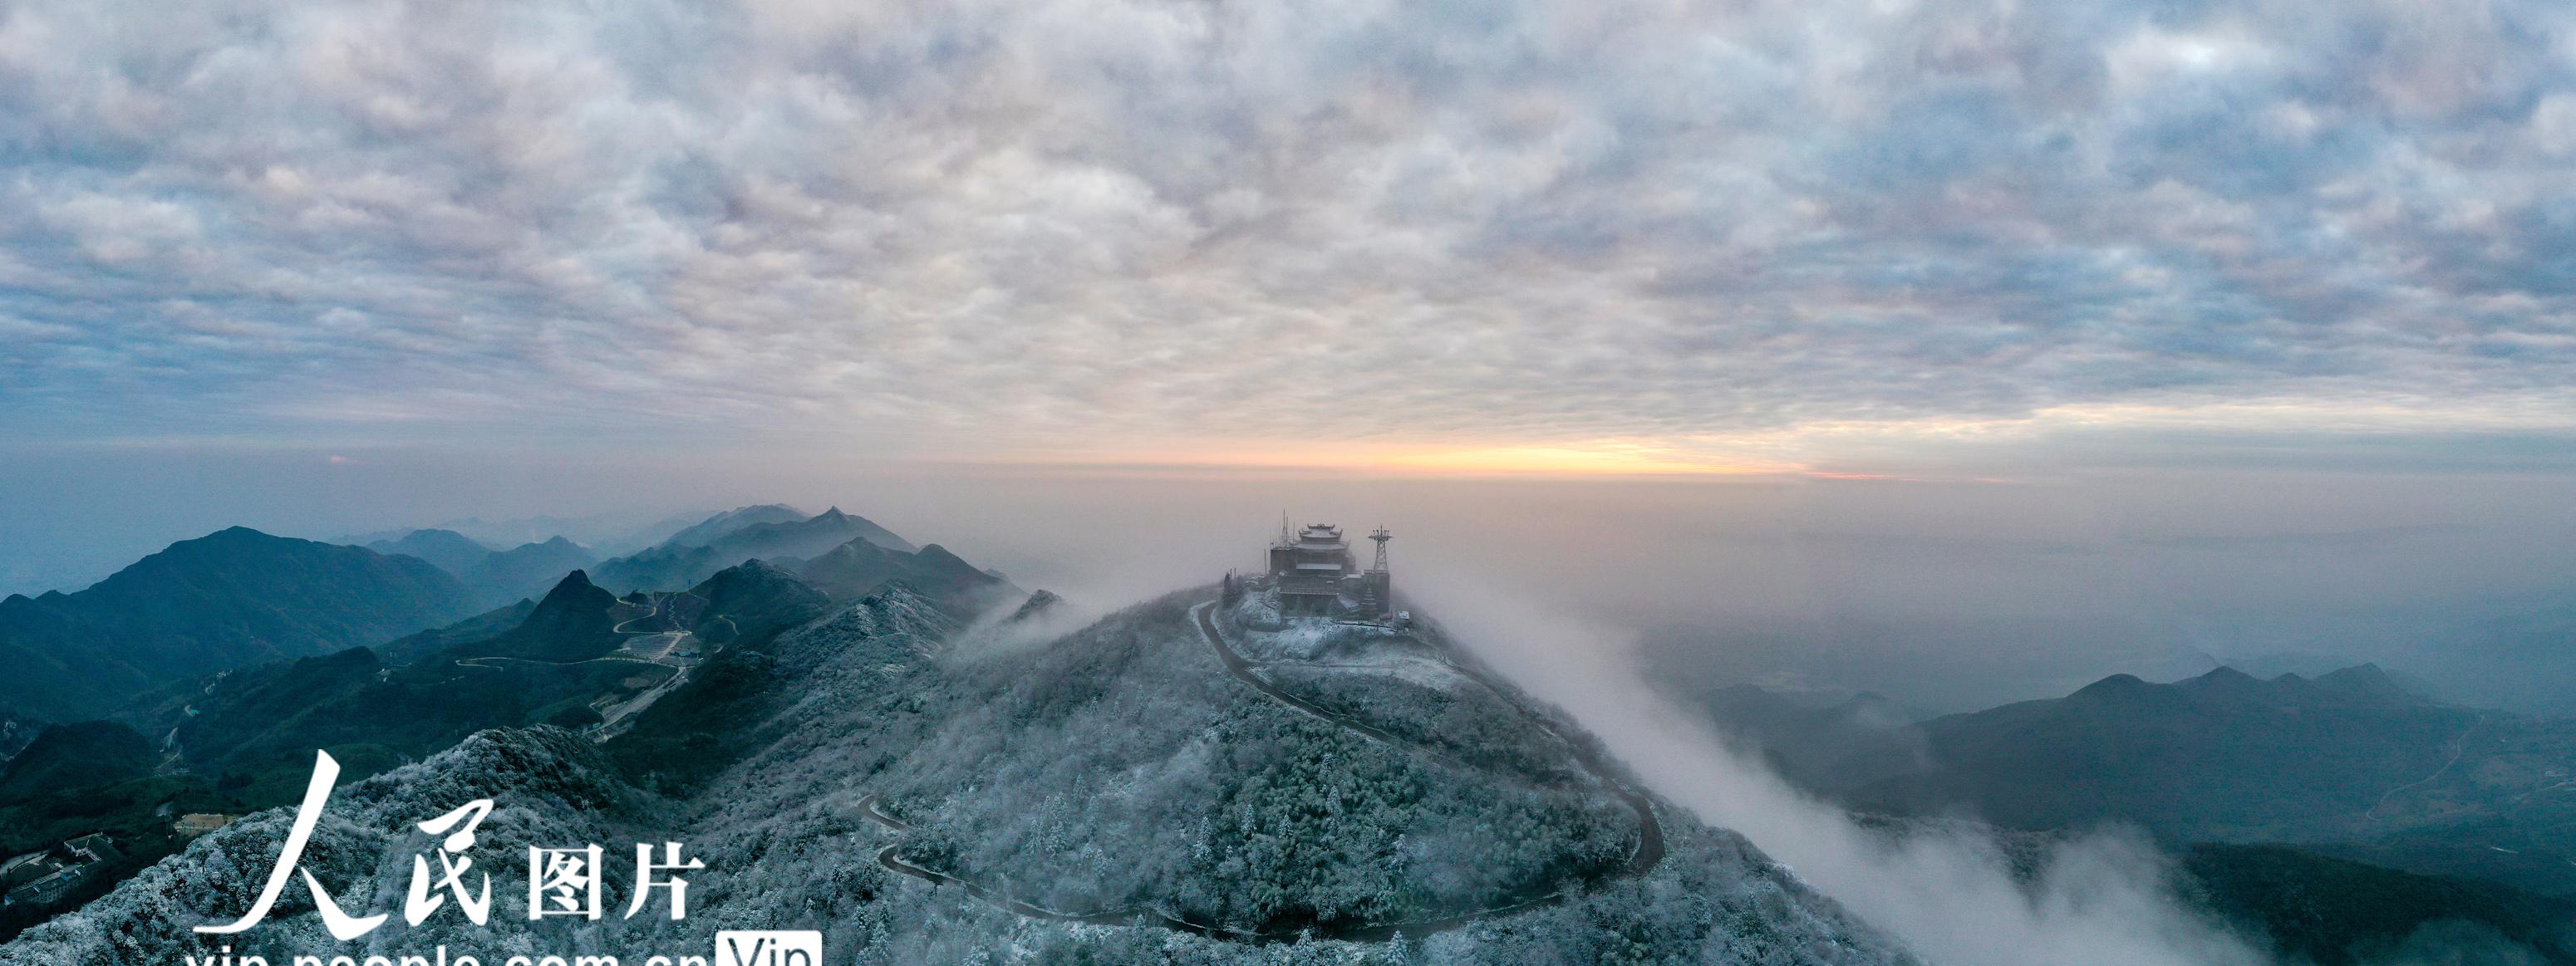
[(1313, 574)]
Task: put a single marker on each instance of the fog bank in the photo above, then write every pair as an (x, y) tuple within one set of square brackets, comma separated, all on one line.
[(2102, 899), (1945, 594)]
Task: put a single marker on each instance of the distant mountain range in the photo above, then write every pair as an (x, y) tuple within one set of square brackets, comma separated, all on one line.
[(843, 723), (2222, 756), (231, 730), (729, 539), (608, 534), (862, 567), (228, 599), (579, 658), (446, 549), (2348, 763), (494, 576), (721, 525), (240, 597)]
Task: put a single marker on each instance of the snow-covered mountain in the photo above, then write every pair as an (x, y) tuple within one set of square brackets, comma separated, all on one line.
[(1167, 784)]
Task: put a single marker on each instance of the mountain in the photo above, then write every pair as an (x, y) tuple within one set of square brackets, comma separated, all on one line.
[(2312, 909), (240, 739), (579, 658), (2349, 764), (572, 623), (447, 549), (862, 567), (1127, 767), (493, 576), (2222, 756), (549, 783), (614, 532), (2331, 912), (1804, 736), (70, 757), (673, 564), (525, 570), (230, 599), (483, 626), (752, 603), (1039, 606), (719, 526), (1133, 791)]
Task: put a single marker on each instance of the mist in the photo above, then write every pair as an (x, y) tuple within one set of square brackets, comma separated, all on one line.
[(2101, 899), (1945, 594)]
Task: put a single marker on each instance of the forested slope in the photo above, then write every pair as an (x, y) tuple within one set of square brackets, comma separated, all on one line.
[(1120, 767)]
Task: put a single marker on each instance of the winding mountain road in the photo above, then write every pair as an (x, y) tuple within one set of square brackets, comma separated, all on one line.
[(616, 717), (1642, 860), (2462, 741)]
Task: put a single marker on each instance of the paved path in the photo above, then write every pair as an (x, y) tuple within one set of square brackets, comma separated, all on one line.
[(2373, 813), (616, 718)]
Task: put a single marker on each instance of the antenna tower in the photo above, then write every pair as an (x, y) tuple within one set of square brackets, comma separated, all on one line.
[(1381, 536)]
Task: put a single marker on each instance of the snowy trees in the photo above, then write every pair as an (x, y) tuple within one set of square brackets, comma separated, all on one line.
[(1468, 723), (1120, 767)]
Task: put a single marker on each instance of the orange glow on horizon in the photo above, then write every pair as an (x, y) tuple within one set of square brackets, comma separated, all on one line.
[(1602, 458), (1615, 459)]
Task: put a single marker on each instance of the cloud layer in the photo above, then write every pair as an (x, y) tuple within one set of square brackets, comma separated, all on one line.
[(1037, 222)]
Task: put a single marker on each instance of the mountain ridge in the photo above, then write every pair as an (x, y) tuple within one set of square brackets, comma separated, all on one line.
[(228, 599), (1121, 765), (2351, 763), (859, 567), (736, 537), (447, 550), (495, 576), (2179, 758)]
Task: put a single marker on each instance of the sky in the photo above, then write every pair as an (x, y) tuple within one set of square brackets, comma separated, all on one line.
[(2257, 271)]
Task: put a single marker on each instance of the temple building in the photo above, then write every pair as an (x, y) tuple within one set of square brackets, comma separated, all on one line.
[(1314, 574)]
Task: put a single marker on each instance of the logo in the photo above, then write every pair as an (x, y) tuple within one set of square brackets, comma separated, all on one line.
[(562, 881), (769, 948)]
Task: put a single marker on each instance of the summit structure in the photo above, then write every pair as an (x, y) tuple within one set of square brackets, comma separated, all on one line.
[(1313, 574)]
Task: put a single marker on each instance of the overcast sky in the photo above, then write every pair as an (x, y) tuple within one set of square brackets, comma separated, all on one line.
[(1702, 231), (562, 257)]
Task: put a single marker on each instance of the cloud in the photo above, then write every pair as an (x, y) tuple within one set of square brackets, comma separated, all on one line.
[(1948, 893), (963, 227)]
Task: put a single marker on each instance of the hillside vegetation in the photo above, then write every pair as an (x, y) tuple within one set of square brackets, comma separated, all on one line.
[(230, 599), (1119, 771)]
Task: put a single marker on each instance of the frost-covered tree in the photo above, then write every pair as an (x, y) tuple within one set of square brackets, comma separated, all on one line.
[(1120, 774)]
